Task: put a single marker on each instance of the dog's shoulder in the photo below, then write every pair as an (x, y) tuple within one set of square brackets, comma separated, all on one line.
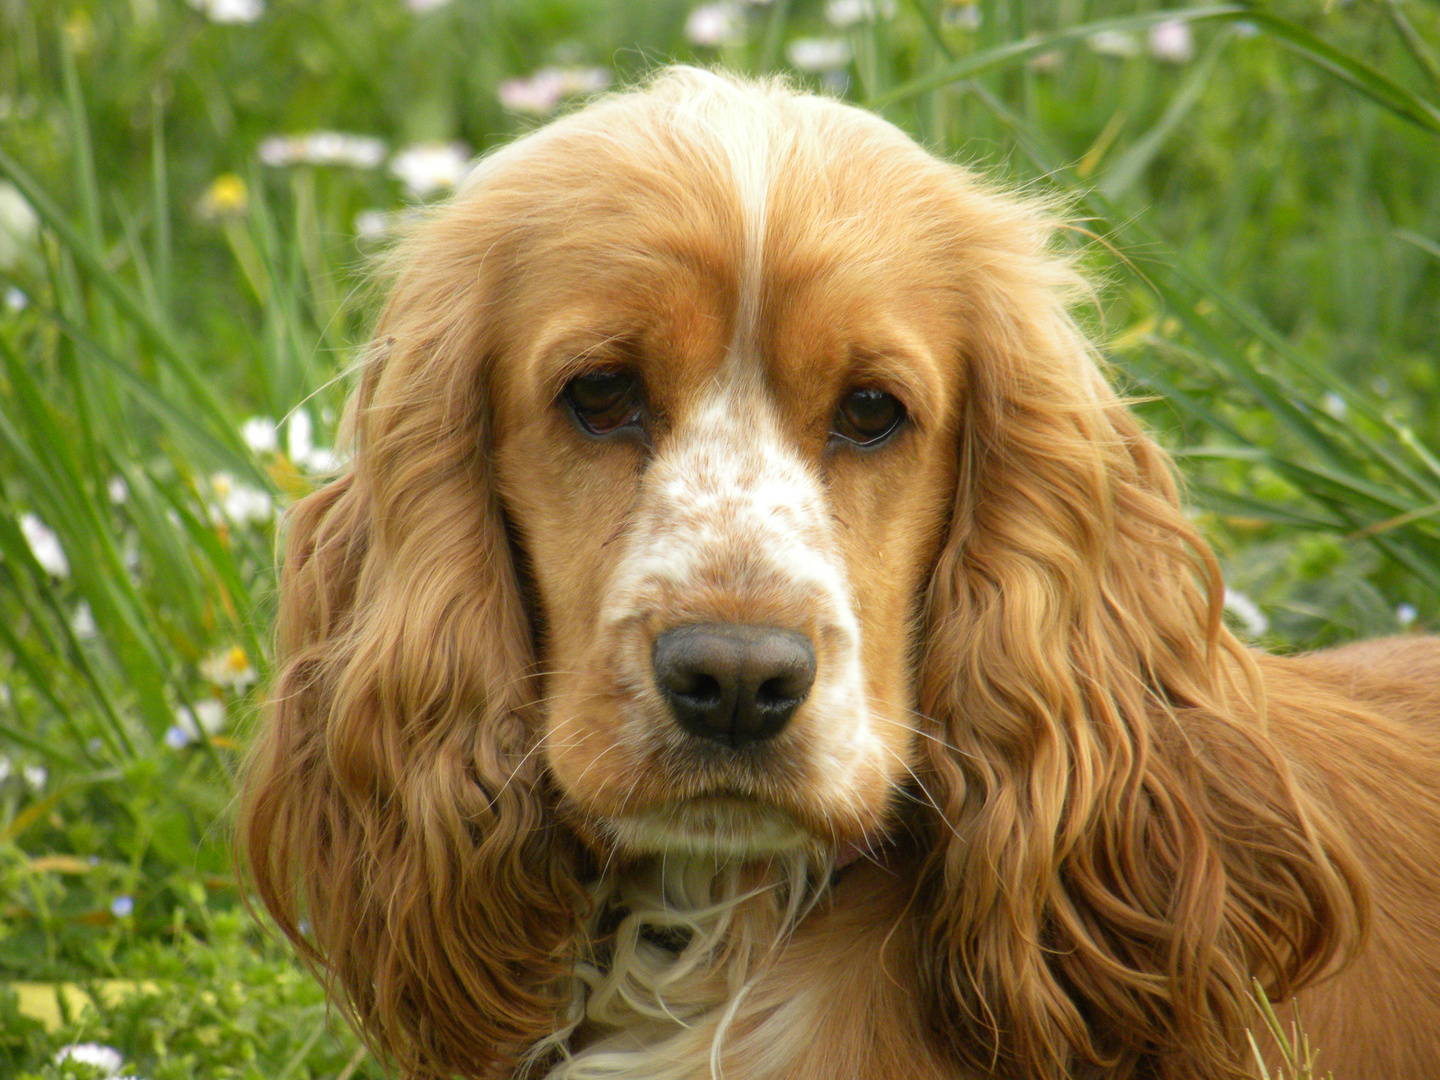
[(1397, 676)]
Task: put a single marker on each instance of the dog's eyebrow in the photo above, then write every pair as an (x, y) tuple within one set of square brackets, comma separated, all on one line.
[(575, 350)]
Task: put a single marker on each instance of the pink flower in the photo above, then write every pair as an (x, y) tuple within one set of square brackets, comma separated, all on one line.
[(714, 25), (541, 93), (1172, 40)]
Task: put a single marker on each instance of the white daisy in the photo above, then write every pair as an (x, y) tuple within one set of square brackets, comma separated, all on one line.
[(45, 546), (426, 168), (818, 54), (230, 11), (323, 148)]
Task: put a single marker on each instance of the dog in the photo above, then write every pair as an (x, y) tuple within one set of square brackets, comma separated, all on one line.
[(751, 639)]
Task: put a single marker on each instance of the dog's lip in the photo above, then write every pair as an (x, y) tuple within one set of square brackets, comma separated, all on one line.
[(721, 822), (722, 800), (728, 824), (724, 796)]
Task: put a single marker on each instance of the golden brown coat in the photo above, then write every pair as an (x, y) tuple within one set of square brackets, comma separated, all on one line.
[(1085, 816)]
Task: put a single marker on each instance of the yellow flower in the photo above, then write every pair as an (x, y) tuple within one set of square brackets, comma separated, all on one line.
[(226, 196), (80, 32), (228, 667)]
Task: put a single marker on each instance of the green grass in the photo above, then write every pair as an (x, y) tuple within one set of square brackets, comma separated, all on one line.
[(1263, 216)]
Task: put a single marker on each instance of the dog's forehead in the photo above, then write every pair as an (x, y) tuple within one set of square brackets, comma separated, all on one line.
[(783, 242)]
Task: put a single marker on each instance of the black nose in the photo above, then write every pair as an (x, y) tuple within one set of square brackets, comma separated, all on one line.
[(734, 685)]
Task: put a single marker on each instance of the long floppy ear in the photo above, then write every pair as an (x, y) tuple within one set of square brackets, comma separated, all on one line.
[(394, 818), (1119, 847)]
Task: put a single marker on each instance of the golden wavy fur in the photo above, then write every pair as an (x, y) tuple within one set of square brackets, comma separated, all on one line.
[(714, 359)]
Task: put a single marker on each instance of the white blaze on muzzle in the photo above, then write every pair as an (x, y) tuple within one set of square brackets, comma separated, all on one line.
[(730, 516)]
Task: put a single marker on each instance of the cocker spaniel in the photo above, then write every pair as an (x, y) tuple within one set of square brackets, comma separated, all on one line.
[(751, 640)]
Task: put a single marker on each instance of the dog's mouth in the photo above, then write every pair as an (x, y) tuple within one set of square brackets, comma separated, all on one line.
[(723, 824)]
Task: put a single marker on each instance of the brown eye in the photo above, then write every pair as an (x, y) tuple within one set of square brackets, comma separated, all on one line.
[(604, 401), (868, 416)]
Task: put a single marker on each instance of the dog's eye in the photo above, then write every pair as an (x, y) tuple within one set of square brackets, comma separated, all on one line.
[(868, 416), (604, 401)]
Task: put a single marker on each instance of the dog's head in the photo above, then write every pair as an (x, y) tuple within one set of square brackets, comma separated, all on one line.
[(729, 478), (724, 383)]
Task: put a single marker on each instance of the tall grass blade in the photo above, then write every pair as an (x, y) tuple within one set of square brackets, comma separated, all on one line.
[(1355, 478), (1417, 46), (151, 327), (1424, 243), (1350, 70), (1120, 177), (774, 41), (1012, 52)]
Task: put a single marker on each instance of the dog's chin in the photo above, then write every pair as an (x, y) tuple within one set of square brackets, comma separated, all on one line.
[(717, 826)]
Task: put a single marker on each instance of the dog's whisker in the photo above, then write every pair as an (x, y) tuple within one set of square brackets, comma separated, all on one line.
[(929, 799), (918, 729)]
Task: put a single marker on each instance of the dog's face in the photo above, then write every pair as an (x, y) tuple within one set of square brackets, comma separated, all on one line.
[(724, 438)]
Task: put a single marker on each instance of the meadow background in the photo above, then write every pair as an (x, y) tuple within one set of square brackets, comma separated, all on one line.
[(190, 191)]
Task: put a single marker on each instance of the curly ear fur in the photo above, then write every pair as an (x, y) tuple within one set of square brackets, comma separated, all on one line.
[(391, 799), (1122, 844)]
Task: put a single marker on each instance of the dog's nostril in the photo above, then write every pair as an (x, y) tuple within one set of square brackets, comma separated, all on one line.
[(733, 684), (701, 689), (784, 689)]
